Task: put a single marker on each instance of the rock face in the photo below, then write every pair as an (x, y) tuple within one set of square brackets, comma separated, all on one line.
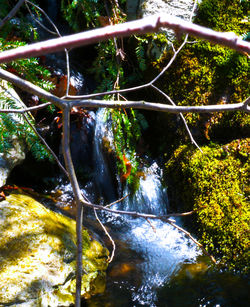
[(143, 8), (178, 8), (37, 256), (16, 154)]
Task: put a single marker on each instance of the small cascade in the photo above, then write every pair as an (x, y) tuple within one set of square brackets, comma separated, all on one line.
[(102, 164), (160, 249)]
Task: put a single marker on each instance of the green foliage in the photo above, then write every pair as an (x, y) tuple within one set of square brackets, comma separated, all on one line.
[(127, 125), (106, 69), (15, 126), (140, 53), (215, 184), (82, 14), (226, 15), (18, 26), (28, 69)]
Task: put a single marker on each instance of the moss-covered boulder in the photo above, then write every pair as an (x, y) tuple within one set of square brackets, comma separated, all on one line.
[(215, 184), (37, 256)]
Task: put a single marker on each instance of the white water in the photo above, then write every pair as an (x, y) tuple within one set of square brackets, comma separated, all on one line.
[(162, 247)]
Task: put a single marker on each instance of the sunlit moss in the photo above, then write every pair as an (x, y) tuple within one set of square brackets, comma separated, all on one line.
[(214, 185), (204, 73)]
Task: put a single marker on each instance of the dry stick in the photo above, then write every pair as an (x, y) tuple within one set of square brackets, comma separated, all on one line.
[(161, 107), (151, 225), (181, 115), (108, 235), (11, 13), (141, 26), (41, 93), (78, 199), (31, 88)]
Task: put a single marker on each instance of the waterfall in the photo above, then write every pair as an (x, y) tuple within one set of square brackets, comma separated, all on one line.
[(161, 248)]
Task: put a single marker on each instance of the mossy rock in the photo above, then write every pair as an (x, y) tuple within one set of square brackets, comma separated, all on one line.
[(203, 74), (37, 256), (215, 185)]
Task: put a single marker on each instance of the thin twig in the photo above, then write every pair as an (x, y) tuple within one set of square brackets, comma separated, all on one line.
[(117, 201), (151, 225), (194, 240), (108, 235), (37, 20), (11, 13), (47, 17), (182, 117), (68, 71)]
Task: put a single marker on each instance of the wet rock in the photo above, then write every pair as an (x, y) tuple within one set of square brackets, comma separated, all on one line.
[(37, 256)]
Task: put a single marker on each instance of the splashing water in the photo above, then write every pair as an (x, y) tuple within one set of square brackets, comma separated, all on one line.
[(161, 248)]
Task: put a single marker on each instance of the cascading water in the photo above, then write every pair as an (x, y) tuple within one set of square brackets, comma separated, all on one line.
[(159, 249)]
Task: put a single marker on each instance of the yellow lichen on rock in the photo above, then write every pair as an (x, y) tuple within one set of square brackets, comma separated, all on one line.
[(37, 256)]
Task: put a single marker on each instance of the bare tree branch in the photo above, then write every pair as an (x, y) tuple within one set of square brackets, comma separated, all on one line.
[(11, 13), (141, 26), (78, 200), (29, 87), (88, 103), (144, 105), (164, 218), (117, 201)]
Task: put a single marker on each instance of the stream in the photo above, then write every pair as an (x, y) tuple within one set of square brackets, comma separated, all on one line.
[(157, 247), (154, 263), (148, 253)]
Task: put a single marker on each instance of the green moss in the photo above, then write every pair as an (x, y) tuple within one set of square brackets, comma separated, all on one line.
[(214, 184), (204, 73)]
